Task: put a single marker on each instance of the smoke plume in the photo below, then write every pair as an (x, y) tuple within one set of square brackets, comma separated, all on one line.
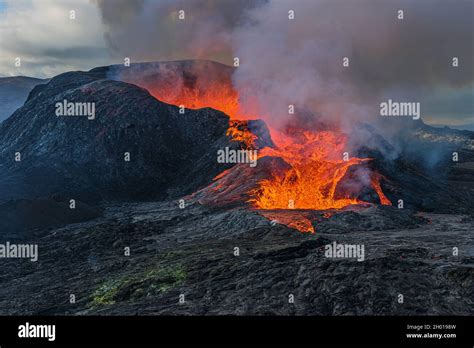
[(299, 61)]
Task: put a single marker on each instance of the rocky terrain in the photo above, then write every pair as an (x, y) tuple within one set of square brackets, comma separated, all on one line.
[(191, 251), (168, 151), (190, 235)]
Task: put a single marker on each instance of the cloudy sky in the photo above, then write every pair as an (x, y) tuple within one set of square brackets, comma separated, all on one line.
[(47, 41), (417, 52)]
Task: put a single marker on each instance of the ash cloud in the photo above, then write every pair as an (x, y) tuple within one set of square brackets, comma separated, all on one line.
[(299, 61), (151, 30)]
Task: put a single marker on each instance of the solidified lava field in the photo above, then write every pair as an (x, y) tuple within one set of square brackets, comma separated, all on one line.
[(175, 232)]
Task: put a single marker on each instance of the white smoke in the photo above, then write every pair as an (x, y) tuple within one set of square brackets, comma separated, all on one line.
[(299, 62)]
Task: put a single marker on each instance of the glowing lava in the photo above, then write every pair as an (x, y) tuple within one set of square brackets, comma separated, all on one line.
[(314, 157), (375, 181), (239, 131), (218, 97), (315, 173)]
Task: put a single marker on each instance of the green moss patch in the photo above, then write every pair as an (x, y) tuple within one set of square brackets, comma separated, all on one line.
[(148, 283)]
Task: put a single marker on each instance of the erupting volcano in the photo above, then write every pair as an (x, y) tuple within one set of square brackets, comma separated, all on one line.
[(314, 175), (238, 158), (315, 158)]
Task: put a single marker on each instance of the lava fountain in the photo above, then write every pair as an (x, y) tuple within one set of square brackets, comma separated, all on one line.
[(316, 166)]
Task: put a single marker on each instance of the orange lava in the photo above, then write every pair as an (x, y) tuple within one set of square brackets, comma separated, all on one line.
[(317, 167), (219, 98), (238, 131), (196, 89), (315, 157), (375, 181), (295, 220), (196, 94)]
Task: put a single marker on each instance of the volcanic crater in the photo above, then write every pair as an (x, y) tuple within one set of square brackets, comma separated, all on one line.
[(183, 214)]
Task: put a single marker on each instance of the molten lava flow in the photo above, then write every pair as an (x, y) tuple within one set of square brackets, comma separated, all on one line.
[(314, 175), (239, 131), (296, 220), (193, 93), (196, 87), (315, 159), (375, 181), (219, 98)]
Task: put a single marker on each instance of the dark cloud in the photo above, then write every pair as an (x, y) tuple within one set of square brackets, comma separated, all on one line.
[(300, 62), (150, 30)]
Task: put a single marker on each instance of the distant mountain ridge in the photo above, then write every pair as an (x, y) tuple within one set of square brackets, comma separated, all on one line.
[(467, 126), (14, 92)]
